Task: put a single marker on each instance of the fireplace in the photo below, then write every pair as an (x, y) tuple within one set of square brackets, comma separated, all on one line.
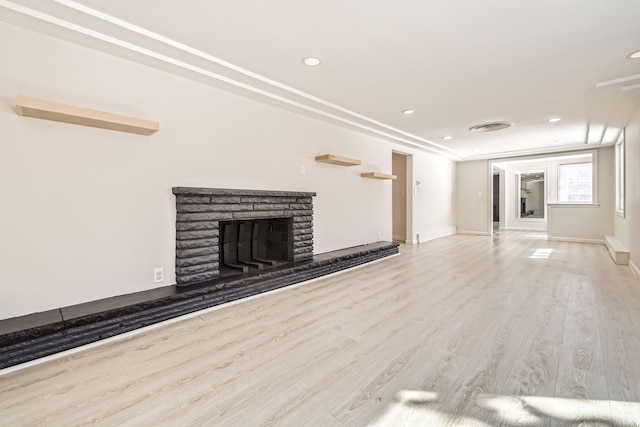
[(255, 244), (227, 231)]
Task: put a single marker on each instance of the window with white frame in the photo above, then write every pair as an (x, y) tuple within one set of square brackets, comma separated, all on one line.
[(620, 176), (575, 182)]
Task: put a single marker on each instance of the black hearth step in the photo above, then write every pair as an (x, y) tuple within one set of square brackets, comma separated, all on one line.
[(26, 338)]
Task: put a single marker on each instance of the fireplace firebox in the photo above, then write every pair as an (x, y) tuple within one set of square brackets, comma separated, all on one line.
[(255, 245)]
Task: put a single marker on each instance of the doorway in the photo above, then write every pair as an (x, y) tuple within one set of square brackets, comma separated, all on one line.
[(498, 198), (399, 163)]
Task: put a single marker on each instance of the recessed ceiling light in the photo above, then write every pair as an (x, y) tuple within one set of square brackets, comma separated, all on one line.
[(408, 111), (554, 119), (634, 55), (559, 140), (446, 137), (311, 61)]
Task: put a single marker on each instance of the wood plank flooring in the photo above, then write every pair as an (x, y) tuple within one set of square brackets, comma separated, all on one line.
[(510, 330)]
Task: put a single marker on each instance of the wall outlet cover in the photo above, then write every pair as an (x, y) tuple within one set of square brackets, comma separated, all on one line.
[(158, 275)]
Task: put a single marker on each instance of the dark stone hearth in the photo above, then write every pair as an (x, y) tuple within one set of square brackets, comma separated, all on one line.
[(27, 338), (201, 210)]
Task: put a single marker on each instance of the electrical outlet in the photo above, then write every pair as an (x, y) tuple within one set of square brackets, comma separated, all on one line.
[(303, 170), (378, 235), (158, 275)]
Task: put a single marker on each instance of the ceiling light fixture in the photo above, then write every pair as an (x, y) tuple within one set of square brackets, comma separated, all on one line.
[(559, 141), (408, 111), (490, 127), (634, 55), (554, 119), (311, 61), (447, 137)]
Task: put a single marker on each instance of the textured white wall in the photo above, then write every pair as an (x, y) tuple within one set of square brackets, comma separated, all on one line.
[(88, 213)]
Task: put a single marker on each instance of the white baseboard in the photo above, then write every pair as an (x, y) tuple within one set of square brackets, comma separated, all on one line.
[(576, 240), (634, 269), (432, 235), (473, 233), (542, 230), (436, 234)]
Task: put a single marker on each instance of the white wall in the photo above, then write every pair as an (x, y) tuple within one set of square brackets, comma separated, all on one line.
[(88, 213), (627, 229), (588, 223), (472, 197), (433, 200)]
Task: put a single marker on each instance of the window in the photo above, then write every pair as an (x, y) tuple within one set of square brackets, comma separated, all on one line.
[(575, 183), (620, 176)]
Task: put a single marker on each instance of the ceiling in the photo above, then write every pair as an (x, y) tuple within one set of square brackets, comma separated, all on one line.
[(457, 64)]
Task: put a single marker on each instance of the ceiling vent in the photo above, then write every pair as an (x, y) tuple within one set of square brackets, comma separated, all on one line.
[(490, 127)]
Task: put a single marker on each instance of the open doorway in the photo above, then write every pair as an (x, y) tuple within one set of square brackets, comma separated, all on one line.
[(402, 198), (498, 198)]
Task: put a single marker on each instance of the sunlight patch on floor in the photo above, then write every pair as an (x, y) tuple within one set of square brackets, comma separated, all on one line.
[(541, 253), (536, 236), (420, 408)]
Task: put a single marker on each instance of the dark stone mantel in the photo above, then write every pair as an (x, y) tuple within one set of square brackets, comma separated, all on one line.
[(240, 192)]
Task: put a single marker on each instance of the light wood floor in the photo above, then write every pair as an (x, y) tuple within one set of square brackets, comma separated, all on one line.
[(464, 330)]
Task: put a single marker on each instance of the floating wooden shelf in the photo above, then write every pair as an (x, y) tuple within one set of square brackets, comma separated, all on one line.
[(337, 160), (377, 175), (47, 110)]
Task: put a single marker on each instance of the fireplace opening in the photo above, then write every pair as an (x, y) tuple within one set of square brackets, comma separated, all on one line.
[(251, 245)]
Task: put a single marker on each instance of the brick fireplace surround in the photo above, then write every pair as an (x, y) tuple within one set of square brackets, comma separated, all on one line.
[(200, 210)]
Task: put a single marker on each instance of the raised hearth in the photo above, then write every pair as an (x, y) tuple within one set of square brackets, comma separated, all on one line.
[(203, 249), (27, 338)]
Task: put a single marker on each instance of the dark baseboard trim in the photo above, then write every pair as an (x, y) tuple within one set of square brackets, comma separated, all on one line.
[(54, 331)]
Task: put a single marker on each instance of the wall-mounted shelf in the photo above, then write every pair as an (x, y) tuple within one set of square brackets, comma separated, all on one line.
[(337, 160), (48, 110), (377, 175)]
